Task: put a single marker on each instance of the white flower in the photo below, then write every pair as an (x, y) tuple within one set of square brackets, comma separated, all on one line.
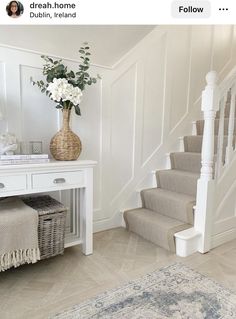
[(61, 90)]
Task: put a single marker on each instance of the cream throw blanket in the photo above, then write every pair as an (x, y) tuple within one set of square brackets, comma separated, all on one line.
[(18, 233)]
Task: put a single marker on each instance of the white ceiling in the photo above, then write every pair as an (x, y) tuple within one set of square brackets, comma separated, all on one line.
[(108, 43)]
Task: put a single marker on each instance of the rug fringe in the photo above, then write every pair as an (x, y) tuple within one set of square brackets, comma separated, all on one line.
[(19, 257)]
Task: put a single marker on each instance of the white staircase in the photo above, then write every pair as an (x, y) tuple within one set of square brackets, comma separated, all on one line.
[(211, 152), (215, 220)]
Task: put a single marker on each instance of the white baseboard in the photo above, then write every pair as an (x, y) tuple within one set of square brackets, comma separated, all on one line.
[(223, 238), (108, 223)]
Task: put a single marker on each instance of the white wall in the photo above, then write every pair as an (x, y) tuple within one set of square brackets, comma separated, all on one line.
[(224, 219), (134, 116)]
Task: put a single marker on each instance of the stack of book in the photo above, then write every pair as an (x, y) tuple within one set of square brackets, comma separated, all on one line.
[(23, 159)]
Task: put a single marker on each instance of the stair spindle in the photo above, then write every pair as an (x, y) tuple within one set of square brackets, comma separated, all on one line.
[(229, 149), (220, 142)]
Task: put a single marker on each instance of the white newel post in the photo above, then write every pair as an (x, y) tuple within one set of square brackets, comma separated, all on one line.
[(206, 185)]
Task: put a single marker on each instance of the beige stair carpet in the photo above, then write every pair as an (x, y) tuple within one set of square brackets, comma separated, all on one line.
[(168, 208)]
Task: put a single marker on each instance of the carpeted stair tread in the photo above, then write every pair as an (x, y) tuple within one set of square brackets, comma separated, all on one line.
[(154, 227), (178, 181), (200, 126), (174, 205), (186, 161), (168, 208)]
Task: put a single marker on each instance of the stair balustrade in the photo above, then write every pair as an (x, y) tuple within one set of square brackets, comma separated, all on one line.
[(218, 106)]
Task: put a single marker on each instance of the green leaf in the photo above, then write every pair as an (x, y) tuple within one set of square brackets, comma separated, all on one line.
[(77, 110), (60, 67), (49, 78), (71, 74)]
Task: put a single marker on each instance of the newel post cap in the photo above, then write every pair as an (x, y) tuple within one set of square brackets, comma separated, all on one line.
[(212, 78), (210, 96)]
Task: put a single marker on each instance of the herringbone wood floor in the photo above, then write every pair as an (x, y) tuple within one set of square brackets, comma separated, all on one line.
[(39, 290)]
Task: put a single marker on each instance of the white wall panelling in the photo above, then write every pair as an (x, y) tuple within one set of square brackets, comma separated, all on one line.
[(32, 116), (225, 203), (153, 97), (131, 118), (202, 37), (178, 63), (123, 111), (38, 115), (223, 47), (2, 97)]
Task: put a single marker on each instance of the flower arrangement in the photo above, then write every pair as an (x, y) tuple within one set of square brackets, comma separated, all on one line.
[(63, 86)]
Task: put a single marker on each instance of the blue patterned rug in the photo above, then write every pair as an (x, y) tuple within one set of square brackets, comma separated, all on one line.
[(175, 292)]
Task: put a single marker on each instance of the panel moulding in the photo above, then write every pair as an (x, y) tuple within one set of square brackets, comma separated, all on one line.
[(127, 77), (161, 53)]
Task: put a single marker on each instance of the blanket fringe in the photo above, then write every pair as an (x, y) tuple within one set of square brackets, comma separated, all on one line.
[(19, 257)]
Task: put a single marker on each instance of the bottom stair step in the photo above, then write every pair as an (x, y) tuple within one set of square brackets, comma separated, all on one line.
[(171, 204), (154, 227)]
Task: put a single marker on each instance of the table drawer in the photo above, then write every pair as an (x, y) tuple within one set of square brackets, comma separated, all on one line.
[(12, 183), (57, 180)]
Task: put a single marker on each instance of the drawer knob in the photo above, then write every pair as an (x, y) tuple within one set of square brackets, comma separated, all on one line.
[(2, 185), (59, 180)]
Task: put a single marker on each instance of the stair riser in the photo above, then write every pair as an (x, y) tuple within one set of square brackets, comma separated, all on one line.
[(200, 127), (227, 111), (149, 232), (153, 227), (170, 207), (186, 163), (180, 184), (194, 144)]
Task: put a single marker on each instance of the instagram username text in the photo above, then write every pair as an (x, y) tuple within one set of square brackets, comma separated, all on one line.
[(55, 5)]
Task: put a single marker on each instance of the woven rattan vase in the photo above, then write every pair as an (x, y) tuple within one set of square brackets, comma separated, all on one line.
[(65, 145)]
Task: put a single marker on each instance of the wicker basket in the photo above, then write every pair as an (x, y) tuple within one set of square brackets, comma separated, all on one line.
[(51, 228)]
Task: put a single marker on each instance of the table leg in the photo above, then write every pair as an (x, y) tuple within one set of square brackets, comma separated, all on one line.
[(86, 209)]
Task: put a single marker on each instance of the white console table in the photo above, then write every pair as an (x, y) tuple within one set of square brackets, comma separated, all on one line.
[(56, 176)]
